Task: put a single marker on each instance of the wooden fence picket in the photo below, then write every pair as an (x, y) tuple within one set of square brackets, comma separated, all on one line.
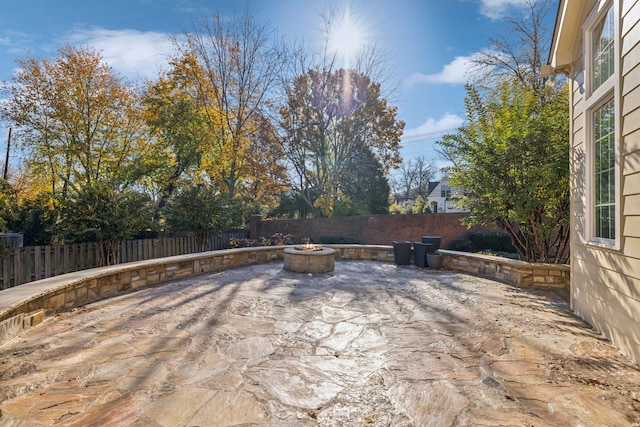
[(29, 263)]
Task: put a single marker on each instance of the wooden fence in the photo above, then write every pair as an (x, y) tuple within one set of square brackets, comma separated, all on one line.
[(29, 263)]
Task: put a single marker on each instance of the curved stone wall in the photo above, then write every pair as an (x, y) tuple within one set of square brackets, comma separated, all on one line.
[(24, 306)]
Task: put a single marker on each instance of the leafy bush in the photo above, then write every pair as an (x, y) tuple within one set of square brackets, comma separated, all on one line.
[(495, 243), (490, 240), (278, 239), (462, 245)]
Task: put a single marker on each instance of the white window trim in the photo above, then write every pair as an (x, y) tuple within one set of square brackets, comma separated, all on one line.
[(594, 99)]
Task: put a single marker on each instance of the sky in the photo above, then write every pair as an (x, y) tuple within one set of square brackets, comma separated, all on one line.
[(429, 43)]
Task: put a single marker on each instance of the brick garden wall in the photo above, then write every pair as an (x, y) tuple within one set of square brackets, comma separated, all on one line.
[(369, 230)]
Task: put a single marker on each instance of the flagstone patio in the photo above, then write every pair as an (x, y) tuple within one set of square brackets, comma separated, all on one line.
[(370, 344)]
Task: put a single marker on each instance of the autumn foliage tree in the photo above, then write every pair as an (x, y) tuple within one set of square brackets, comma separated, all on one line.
[(177, 124), (512, 161), (235, 65), (330, 117), (81, 130), (76, 121)]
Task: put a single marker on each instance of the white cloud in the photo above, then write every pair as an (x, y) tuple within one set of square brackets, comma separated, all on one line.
[(435, 127), (132, 53), (454, 72), (496, 9)]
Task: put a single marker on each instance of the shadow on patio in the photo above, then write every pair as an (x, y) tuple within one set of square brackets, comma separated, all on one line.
[(369, 344)]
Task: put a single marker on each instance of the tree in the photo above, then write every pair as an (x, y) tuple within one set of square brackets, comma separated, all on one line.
[(512, 156), (267, 176), (365, 186), (290, 205), (235, 67), (86, 142), (413, 178), (512, 160), (517, 54), (336, 113), (36, 218), (103, 212), (178, 124), (7, 204), (328, 117), (77, 122), (420, 206), (201, 210)]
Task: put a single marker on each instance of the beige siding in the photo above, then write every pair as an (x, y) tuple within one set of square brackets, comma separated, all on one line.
[(631, 79), (605, 283), (632, 205), (630, 121), (630, 106), (630, 13), (608, 314), (631, 142), (630, 32), (632, 226), (631, 183), (628, 9), (630, 59)]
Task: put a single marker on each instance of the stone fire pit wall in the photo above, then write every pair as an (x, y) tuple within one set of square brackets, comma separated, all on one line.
[(315, 261)]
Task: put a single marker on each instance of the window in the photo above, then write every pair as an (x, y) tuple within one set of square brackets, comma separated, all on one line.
[(445, 191), (604, 171), (602, 150), (602, 54)]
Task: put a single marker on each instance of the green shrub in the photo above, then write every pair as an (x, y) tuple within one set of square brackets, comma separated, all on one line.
[(490, 240), (278, 239), (462, 245)]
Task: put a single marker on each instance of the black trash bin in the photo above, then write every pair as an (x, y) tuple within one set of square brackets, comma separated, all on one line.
[(434, 240), (420, 251), (402, 252)]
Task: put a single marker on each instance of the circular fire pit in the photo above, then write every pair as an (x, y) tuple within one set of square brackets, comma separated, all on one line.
[(309, 259)]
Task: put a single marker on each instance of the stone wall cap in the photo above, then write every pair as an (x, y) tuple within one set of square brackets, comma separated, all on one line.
[(507, 261)]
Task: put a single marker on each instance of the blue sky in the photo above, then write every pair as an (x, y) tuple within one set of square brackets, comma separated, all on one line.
[(429, 42)]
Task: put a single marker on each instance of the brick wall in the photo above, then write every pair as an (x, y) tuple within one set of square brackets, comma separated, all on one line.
[(369, 230)]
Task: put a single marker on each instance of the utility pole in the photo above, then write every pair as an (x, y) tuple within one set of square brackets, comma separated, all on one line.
[(6, 160)]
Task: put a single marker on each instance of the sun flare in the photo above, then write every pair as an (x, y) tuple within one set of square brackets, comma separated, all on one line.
[(347, 37)]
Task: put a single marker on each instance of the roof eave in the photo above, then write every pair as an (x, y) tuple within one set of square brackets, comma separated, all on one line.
[(568, 22)]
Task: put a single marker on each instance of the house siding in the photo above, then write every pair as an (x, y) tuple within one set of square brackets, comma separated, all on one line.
[(605, 283), (445, 205)]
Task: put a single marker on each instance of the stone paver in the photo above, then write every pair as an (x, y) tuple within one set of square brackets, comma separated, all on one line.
[(371, 344)]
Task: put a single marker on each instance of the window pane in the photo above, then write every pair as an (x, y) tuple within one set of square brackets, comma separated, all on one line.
[(602, 55), (604, 169)]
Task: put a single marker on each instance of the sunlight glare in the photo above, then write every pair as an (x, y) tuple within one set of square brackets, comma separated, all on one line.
[(347, 37)]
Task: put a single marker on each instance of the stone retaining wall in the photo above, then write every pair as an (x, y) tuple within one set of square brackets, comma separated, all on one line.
[(507, 270), (27, 305)]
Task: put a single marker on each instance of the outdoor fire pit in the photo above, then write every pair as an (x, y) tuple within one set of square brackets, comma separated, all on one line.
[(309, 259)]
